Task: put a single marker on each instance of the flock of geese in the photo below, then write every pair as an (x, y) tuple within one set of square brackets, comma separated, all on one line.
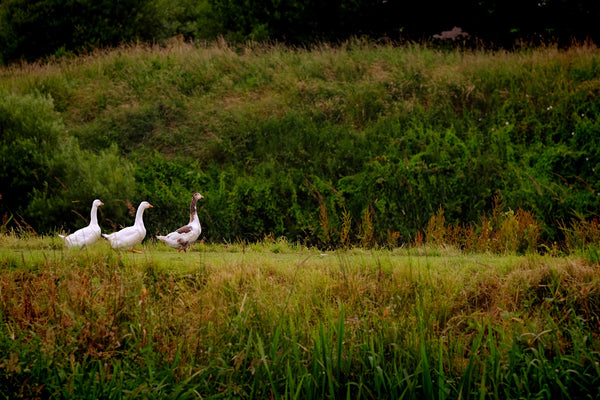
[(131, 236)]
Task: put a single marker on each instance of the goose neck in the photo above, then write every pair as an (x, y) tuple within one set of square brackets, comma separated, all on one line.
[(139, 216), (94, 215), (193, 213)]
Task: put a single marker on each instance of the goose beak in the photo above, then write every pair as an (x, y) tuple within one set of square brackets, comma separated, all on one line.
[(101, 203), (150, 206)]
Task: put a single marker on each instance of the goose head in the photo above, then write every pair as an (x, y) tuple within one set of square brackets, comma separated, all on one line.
[(195, 198)]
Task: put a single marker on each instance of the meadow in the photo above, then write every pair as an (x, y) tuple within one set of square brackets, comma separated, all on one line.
[(277, 319)]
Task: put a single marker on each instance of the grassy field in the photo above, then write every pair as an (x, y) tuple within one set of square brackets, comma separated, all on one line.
[(279, 320)]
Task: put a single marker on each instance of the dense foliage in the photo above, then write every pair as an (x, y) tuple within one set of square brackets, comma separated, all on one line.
[(44, 171), (360, 143), (30, 29)]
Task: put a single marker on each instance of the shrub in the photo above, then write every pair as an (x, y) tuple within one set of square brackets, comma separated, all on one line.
[(79, 177), (31, 132), (45, 174)]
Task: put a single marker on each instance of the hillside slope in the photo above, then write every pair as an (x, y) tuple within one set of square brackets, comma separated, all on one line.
[(324, 145)]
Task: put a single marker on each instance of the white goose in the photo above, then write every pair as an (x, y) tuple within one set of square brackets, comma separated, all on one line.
[(185, 236), (88, 235), (128, 238)]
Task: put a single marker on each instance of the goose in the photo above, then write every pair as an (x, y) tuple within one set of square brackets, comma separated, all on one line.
[(185, 236), (88, 235), (128, 238)]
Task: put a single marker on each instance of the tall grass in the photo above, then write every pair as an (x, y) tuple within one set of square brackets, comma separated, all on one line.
[(277, 320)]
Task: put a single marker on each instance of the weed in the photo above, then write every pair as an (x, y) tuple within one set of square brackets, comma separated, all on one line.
[(581, 233), (366, 229), (435, 233), (345, 229)]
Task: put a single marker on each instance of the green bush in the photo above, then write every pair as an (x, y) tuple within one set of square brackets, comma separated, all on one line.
[(31, 132), (79, 177), (44, 174), (169, 187)]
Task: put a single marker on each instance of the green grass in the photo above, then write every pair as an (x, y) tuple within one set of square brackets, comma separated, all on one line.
[(278, 320), (308, 142)]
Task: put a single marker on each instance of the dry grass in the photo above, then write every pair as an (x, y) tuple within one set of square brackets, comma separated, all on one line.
[(180, 293)]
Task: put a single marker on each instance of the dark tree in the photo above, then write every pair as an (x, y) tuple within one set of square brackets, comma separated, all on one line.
[(30, 29)]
